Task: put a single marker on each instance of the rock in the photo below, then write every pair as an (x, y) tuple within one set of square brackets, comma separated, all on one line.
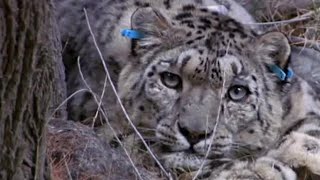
[(76, 152)]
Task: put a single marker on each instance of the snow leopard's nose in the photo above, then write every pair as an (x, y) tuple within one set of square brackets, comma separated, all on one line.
[(193, 137)]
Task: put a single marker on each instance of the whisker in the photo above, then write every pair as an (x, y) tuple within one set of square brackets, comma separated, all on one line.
[(145, 128), (248, 156), (243, 153), (150, 138)]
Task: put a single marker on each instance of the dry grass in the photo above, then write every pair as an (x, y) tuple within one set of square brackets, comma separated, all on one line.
[(302, 26)]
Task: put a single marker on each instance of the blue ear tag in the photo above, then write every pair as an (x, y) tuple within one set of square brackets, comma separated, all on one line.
[(132, 34), (290, 73), (280, 73)]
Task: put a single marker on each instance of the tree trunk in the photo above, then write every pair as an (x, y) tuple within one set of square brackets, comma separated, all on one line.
[(31, 86)]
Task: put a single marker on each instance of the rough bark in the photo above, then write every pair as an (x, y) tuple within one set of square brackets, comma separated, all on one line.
[(31, 86)]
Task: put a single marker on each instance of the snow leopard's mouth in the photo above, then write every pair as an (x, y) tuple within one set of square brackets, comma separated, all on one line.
[(184, 160), (190, 160), (193, 164)]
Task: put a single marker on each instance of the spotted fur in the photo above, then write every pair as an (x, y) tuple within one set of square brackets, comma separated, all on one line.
[(201, 81), (107, 19)]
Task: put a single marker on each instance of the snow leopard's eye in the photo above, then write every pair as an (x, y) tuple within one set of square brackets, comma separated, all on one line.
[(171, 80), (238, 93)]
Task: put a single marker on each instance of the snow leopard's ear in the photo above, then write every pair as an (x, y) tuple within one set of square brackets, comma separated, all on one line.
[(156, 29), (275, 47)]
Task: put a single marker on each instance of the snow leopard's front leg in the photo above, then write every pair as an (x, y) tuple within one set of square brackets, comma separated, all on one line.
[(264, 168), (299, 150)]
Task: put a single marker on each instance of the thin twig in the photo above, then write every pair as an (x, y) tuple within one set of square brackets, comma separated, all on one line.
[(303, 17), (100, 102), (315, 44), (296, 19), (213, 134), (119, 100), (67, 167), (65, 46), (93, 94), (65, 101), (215, 127), (107, 120)]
